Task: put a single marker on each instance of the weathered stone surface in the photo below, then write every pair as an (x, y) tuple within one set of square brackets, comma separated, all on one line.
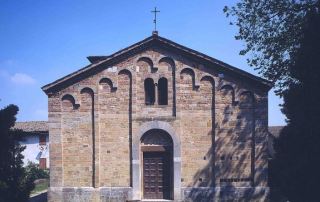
[(228, 193), (218, 128)]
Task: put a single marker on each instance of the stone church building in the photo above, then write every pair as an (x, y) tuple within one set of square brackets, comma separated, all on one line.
[(158, 120)]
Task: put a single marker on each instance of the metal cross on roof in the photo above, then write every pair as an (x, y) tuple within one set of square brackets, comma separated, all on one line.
[(155, 11)]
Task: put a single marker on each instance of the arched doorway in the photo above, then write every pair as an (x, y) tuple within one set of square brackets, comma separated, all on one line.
[(156, 148)]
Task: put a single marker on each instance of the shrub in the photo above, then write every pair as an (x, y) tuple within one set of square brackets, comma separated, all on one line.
[(15, 185), (34, 172)]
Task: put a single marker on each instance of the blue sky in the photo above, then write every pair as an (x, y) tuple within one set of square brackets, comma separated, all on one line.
[(42, 41)]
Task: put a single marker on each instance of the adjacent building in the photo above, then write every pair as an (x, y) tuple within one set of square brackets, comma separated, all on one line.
[(36, 140)]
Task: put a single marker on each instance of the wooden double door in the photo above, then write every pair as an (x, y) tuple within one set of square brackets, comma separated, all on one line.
[(157, 175)]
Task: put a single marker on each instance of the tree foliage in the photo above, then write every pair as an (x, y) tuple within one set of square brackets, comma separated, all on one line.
[(297, 163), (271, 30), (34, 172), (282, 39), (15, 185)]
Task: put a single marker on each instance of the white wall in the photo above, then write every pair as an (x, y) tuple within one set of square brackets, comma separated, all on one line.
[(32, 152)]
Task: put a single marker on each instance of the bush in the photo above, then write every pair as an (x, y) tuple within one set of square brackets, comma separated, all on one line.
[(34, 172), (15, 185)]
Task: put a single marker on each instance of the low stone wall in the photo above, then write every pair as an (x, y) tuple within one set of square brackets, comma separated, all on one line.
[(205, 194), (189, 194), (89, 194)]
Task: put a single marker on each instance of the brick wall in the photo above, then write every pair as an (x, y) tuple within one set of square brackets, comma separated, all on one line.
[(221, 122)]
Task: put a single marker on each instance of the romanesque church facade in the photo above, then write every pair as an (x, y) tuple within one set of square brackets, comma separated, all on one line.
[(158, 120)]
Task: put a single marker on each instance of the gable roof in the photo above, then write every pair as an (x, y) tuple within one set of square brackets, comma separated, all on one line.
[(275, 130), (100, 62), (32, 127)]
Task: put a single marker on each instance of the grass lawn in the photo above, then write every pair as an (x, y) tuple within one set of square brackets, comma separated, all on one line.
[(41, 186)]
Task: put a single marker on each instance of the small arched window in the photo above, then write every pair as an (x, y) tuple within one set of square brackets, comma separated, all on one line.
[(163, 91), (149, 91)]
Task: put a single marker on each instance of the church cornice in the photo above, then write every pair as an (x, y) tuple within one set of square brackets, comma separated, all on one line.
[(100, 62)]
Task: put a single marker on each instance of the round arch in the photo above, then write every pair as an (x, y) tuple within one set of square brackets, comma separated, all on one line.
[(156, 125), (136, 159)]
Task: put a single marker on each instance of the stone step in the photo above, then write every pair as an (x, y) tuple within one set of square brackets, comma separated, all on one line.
[(150, 200)]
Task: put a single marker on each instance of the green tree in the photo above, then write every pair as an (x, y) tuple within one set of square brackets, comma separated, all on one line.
[(272, 31), (15, 185), (34, 172), (282, 39), (296, 164)]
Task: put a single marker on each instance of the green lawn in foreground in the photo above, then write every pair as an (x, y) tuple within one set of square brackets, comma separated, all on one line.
[(40, 187)]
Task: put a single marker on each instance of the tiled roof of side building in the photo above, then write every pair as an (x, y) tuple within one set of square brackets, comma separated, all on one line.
[(275, 130), (32, 126)]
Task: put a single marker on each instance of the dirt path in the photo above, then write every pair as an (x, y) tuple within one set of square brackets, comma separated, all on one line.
[(39, 197)]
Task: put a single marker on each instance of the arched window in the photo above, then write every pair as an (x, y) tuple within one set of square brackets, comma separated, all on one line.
[(149, 91), (163, 91)]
